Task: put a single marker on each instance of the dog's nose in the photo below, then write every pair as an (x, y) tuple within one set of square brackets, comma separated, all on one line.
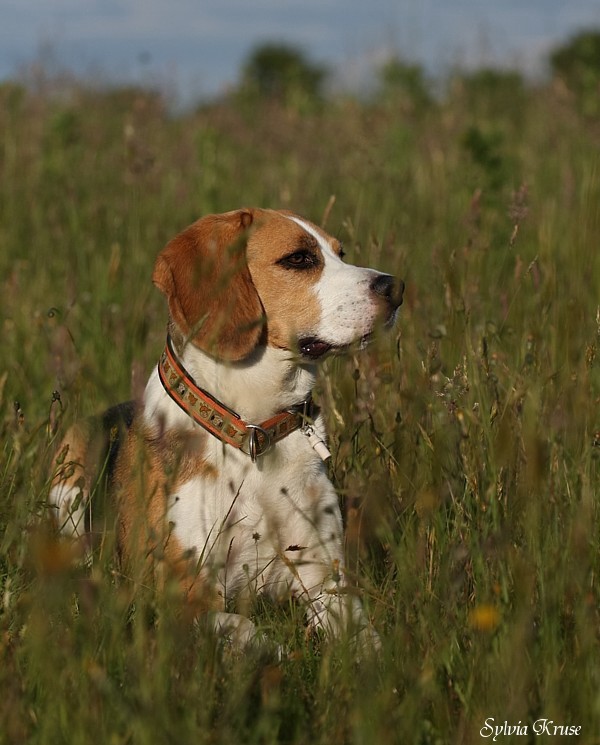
[(388, 287)]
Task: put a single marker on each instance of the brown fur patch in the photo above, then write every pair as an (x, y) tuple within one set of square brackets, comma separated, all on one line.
[(288, 296), (204, 275), (86, 457), (148, 471)]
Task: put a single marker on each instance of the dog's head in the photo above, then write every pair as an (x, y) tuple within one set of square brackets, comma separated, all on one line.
[(255, 276)]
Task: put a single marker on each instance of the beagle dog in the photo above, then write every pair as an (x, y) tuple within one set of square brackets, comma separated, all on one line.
[(218, 478)]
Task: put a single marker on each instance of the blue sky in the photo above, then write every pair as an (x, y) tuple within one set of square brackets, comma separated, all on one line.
[(197, 46)]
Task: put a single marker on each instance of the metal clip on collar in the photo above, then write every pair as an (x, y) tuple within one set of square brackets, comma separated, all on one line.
[(306, 414), (255, 450)]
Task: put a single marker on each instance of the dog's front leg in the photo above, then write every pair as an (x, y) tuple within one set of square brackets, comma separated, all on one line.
[(335, 608), (238, 630), (332, 605), (239, 633)]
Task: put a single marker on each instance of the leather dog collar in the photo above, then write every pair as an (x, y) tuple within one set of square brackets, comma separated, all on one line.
[(224, 423)]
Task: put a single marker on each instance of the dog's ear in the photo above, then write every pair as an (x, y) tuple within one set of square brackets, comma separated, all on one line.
[(204, 274)]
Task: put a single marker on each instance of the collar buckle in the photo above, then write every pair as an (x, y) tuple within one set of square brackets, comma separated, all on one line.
[(259, 442)]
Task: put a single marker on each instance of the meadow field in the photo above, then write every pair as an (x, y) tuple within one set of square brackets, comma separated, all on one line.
[(466, 442)]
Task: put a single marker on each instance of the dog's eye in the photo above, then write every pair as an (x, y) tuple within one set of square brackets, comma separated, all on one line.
[(298, 260)]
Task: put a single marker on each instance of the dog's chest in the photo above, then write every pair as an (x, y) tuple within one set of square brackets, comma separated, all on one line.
[(241, 517)]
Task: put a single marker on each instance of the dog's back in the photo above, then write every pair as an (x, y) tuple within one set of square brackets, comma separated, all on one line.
[(84, 469)]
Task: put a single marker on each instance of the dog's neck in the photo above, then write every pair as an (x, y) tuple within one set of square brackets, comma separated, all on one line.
[(271, 380), (268, 382)]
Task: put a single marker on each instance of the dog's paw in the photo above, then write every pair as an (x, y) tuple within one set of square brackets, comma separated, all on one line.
[(241, 635), (367, 642), (341, 616)]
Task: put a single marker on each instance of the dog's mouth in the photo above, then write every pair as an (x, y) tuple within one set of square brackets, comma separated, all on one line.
[(314, 348)]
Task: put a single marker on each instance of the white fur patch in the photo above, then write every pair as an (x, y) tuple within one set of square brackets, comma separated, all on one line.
[(348, 308)]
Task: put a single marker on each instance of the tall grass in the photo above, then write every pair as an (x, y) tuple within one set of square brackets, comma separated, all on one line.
[(466, 443)]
